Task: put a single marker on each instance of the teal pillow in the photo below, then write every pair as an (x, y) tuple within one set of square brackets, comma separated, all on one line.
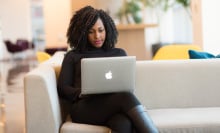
[(218, 56), (201, 55)]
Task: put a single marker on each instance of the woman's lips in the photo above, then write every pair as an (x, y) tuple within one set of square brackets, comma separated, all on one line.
[(98, 42)]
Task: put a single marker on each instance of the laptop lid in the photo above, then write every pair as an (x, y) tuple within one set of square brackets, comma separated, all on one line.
[(108, 74)]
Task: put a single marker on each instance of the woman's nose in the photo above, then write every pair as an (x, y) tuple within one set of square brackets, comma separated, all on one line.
[(97, 35)]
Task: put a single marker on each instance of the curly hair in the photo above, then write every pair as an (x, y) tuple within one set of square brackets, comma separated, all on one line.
[(82, 21)]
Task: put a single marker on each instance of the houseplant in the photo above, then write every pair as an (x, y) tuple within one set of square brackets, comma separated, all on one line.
[(131, 10), (166, 4)]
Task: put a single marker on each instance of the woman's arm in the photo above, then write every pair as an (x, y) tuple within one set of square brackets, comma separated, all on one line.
[(66, 79)]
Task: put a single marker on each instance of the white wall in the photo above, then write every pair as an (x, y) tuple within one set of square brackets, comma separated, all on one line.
[(175, 26), (15, 19), (211, 26), (3, 51), (15, 22), (182, 26)]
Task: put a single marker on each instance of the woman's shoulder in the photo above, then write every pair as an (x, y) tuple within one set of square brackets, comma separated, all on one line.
[(70, 53), (120, 51), (73, 54), (76, 55)]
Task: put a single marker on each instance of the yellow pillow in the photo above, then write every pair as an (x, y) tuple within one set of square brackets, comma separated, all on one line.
[(42, 56)]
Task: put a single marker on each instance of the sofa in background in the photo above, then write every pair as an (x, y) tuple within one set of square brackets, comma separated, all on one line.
[(181, 96), (175, 51)]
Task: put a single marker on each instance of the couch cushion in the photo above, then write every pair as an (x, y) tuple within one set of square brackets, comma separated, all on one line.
[(173, 120), (187, 120), (69, 127)]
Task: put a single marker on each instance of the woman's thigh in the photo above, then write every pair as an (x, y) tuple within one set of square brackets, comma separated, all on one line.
[(97, 109)]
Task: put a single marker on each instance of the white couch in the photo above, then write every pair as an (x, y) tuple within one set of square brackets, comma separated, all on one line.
[(181, 96)]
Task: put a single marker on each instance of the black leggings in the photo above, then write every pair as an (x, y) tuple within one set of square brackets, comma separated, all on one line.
[(105, 109)]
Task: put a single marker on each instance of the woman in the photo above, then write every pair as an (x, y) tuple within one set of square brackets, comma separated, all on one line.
[(92, 33)]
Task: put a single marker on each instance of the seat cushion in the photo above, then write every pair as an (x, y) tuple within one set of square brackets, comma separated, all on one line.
[(175, 120), (69, 127), (187, 120)]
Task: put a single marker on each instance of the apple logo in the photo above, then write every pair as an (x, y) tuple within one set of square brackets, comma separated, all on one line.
[(108, 75)]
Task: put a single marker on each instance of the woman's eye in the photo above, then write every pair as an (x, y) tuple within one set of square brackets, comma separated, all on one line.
[(101, 30)]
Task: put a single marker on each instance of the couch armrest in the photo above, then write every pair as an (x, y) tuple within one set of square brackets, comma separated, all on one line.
[(43, 113)]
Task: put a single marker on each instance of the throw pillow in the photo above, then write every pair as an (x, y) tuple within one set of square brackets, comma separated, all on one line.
[(193, 54)]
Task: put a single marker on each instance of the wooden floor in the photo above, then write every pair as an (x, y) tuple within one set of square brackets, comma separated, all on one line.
[(12, 113)]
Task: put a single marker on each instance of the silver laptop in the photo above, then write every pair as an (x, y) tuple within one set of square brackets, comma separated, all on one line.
[(108, 74)]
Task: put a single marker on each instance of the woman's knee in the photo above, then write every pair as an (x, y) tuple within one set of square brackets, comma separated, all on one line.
[(120, 123), (128, 100)]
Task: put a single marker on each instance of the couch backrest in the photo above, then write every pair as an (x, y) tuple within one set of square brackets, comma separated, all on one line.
[(172, 83), (178, 83)]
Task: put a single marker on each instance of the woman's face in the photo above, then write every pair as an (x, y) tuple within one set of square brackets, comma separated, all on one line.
[(97, 34)]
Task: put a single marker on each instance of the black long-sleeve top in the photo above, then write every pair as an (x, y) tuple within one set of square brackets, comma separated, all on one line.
[(69, 82)]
